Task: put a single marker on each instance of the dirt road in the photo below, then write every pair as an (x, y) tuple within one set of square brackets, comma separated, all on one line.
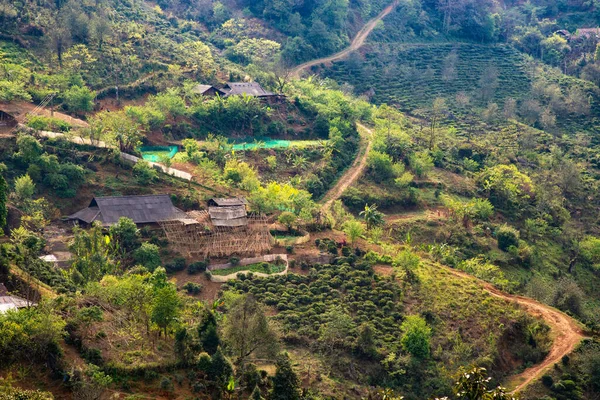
[(356, 44), (566, 332), (355, 171)]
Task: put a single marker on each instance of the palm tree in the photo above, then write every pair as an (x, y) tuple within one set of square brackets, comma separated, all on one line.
[(372, 216)]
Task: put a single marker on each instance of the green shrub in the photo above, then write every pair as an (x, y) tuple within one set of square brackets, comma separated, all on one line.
[(547, 380), (41, 123), (507, 236), (148, 256), (178, 264), (198, 266), (144, 173), (192, 288)]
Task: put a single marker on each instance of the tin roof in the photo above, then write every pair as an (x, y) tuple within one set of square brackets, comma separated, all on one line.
[(140, 209)]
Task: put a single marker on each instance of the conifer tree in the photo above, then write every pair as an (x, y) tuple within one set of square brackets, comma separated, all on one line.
[(256, 394), (285, 381)]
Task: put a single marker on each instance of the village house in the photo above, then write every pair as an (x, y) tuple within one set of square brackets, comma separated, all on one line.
[(147, 210)]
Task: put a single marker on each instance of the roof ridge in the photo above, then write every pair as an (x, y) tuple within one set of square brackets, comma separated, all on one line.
[(132, 195)]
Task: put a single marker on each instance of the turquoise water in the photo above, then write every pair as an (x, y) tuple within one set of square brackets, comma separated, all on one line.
[(265, 144), (155, 153)]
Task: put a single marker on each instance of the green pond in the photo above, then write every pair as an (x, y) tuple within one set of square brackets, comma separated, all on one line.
[(157, 153)]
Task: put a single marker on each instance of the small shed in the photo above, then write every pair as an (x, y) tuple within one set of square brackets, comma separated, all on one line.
[(8, 302), (143, 210), (208, 91), (231, 217)]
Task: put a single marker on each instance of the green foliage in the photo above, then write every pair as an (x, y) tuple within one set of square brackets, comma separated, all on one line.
[(473, 385), (286, 385), (3, 201), (486, 271), (144, 173), (33, 333), (381, 166), (192, 288), (220, 368), (148, 256), (12, 393), (41, 123), (168, 102), (24, 188), (507, 236), (416, 336), (208, 334), (590, 250), (288, 219), (11, 91), (126, 234), (247, 331), (64, 178), (92, 255), (116, 128), (353, 229), (241, 174), (506, 186), (372, 216), (421, 163), (79, 98), (166, 307), (30, 149)]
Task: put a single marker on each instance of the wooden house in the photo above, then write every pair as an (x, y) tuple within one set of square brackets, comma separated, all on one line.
[(143, 210)]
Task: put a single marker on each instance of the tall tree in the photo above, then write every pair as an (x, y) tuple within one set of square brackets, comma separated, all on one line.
[(285, 382), (166, 307), (247, 329), (208, 334)]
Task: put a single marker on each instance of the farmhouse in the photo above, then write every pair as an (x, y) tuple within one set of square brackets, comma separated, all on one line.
[(143, 210), (208, 91), (580, 34), (225, 229), (251, 89)]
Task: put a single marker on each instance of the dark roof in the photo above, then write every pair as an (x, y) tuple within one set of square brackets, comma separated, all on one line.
[(233, 201), (141, 209), (249, 88), (201, 89)]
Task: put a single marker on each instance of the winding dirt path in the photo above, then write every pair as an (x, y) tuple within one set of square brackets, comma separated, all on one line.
[(356, 43), (567, 333), (355, 171)]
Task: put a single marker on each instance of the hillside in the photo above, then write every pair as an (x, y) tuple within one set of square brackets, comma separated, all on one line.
[(365, 200)]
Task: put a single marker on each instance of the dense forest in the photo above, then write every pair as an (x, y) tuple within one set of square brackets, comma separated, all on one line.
[(189, 212)]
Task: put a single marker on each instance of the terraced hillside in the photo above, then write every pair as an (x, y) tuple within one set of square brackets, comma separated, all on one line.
[(411, 76)]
